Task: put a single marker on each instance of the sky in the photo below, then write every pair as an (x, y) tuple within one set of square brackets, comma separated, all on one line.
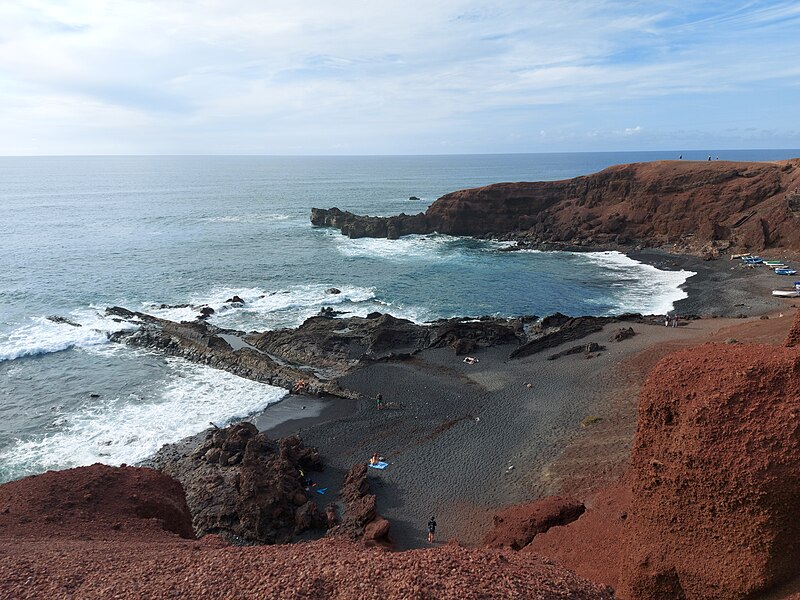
[(396, 77)]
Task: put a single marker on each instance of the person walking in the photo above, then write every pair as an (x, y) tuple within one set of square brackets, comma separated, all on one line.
[(431, 530), (379, 401)]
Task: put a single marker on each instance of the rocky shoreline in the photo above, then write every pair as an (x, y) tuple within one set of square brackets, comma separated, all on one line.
[(325, 348), (705, 209)]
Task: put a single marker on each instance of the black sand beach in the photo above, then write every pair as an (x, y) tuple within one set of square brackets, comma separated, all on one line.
[(463, 440)]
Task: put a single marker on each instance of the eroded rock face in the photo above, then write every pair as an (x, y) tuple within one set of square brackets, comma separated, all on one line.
[(357, 226), (516, 526), (361, 519), (689, 203), (715, 477), (245, 487)]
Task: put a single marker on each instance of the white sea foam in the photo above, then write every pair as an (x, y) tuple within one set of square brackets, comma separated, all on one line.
[(288, 307), (640, 287), (247, 218), (43, 336), (415, 248), (127, 430)]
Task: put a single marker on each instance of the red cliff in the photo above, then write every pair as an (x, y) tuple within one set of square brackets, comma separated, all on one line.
[(708, 508), (744, 205)]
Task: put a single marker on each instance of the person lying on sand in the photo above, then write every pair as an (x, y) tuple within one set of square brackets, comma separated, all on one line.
[(375, 459)]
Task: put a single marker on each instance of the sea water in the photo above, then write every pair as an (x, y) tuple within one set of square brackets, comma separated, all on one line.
[(79, 234)]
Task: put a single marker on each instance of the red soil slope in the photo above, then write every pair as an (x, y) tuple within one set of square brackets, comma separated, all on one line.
[(101, 532), (90, 501)]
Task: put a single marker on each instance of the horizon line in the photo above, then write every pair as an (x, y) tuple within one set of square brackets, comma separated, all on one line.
[(254, 155)]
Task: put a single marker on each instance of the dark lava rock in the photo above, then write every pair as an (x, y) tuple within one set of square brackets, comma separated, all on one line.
[(623, 334), (63, 321), (245, 487), (361, 519), (234, 300)]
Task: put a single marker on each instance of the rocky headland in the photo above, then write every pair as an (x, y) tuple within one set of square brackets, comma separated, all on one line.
[(702, 208)]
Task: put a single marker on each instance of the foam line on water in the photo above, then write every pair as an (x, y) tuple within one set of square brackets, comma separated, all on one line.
[(288, 307), (641, 287), (43, 336), (432, 247), (247, 218), (127, 430)]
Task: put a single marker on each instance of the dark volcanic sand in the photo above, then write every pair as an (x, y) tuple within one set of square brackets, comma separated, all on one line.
[(722, 287), (451, 431)]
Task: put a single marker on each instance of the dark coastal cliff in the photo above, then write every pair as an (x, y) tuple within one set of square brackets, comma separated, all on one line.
[(703, 207)]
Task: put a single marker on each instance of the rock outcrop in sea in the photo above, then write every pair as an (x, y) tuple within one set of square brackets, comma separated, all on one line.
[(324, 348), (702, 208)]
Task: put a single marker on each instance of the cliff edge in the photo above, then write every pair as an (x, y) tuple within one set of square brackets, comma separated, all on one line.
[(701, 207)]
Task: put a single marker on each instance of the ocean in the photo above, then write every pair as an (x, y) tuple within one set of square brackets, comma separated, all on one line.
[(79, 234)]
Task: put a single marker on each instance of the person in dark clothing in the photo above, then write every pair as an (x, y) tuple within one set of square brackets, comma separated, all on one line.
[(431, 530), (379, 401)]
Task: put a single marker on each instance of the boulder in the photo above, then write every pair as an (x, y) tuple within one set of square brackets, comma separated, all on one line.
[(623, 334), (361, 519), (516, 526), (715, 483), (243, 486)]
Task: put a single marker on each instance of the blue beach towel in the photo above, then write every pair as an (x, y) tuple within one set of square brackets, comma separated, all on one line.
[(322, 491), (380, 465)]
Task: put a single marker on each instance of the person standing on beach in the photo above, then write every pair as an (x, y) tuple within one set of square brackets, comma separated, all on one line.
[(379, 400), (431, 530)]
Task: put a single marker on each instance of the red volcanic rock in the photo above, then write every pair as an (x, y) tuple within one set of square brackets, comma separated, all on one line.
[(793, 337), (714, 474), (592, 545), (95, 500), (105, 532), (516, 526), (335, 569), (693, 203), (745, 203)]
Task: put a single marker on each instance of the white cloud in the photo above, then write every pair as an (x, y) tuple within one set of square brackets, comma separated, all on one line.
[(316, 77)]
